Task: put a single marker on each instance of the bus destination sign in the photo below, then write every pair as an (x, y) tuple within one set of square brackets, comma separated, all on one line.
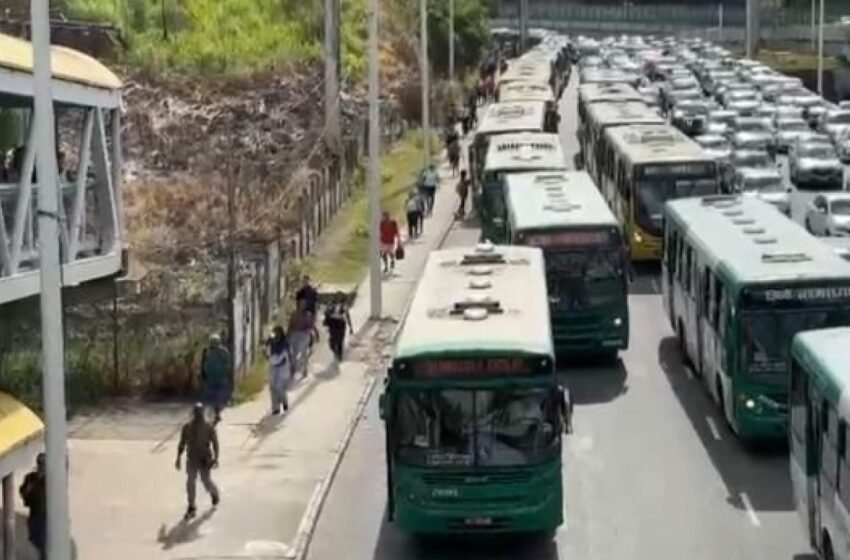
[(471, 367), (568, 239), (678, 170), (801, 294)]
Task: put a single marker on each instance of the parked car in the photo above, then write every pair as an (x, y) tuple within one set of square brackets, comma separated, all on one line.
[(787, 132), (690, 116), (753, 133), (742, 159), (716, 146), (764, 183), (815, 165), (834, 122), (720, 121), (828, 215)]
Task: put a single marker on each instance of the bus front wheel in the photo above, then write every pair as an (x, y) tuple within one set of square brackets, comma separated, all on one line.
[(827, 547), (683, 345)]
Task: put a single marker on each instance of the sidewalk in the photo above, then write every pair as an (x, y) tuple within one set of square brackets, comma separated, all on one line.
[(127, 499)]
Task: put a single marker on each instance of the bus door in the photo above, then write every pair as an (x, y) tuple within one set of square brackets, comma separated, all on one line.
[(817, 412)]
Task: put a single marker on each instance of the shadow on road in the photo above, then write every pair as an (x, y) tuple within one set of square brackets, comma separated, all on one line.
[(183, 531), (393, 545), (592, 382), (758, 472), (645, 279)]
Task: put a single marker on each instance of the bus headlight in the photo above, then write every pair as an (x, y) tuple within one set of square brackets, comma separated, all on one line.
[(637, 237), (750, 403), (618, 322)]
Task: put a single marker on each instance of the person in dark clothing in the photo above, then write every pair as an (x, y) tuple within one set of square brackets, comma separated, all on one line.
[(199, 440), (337, 318), (216, 375), (34, 495), (308, 294), (462, 194)]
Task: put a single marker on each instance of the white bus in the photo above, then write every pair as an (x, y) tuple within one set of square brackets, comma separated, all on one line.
[(513, 153), (503, 118), (818, 438)]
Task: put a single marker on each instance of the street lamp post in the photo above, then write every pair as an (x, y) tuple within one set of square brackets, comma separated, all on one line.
[(820, 50), (426, 118), (451, 40), (374, 164), (58, 533)]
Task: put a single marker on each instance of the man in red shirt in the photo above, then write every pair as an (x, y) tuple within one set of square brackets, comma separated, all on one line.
[(389, 238)]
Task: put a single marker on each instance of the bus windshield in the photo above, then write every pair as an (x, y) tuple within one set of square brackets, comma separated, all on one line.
[(476, 427), (766, 335), (584, 278), (653, 193)]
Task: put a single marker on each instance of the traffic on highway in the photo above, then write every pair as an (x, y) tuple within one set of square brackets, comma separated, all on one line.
[(637, 349)]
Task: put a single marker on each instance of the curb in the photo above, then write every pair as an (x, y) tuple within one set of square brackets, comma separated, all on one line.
[(310, 519)]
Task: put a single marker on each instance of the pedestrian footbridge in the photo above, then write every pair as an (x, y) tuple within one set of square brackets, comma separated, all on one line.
[(87, 101)]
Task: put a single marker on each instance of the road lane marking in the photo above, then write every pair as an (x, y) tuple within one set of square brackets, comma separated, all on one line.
[(712, 427), (751, 513)]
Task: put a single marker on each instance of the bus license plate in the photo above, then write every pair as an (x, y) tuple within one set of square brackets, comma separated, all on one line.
[(478, 521)]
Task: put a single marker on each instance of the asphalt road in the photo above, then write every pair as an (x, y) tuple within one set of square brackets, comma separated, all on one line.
[(651, 472)]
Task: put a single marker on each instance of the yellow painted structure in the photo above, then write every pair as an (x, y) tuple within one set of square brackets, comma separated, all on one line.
[(68, 64), (19, 425)]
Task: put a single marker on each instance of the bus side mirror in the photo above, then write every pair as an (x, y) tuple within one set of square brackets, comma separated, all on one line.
[(567, 409), (382, 406)]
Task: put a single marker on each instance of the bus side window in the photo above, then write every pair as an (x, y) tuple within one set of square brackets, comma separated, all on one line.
[(715, 303), (829, 455), (705, 293), (722, 314), (689, 270), (841, 453), (670, 248)]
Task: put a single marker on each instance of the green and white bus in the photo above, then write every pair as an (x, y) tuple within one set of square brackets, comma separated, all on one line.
[(564, 214), (532, 66), (818, 438), (739, 280), (473, 411), (512, 153), (503, 118), (525, 90)]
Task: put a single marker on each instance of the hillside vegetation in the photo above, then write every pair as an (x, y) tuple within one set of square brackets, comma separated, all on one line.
[(213, 36)]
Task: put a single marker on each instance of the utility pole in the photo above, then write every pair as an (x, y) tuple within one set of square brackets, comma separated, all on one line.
[(451, 40), (52, 350), (749, 29), (820, 50), (426, 117), (332, 129), (232, 176), (814, 31), (523, 25), (720, 22), (374, 164)]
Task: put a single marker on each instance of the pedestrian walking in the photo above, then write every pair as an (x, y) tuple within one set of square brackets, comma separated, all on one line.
[(389, 236), (199, 440), (414, 207), (308, 294), (34, 495), (302, 335), (280, 368), (430, 182), (216, 375), (462, 194), (337, 318)]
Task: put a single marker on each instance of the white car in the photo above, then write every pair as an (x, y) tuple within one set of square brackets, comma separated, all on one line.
[(828, 215)]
